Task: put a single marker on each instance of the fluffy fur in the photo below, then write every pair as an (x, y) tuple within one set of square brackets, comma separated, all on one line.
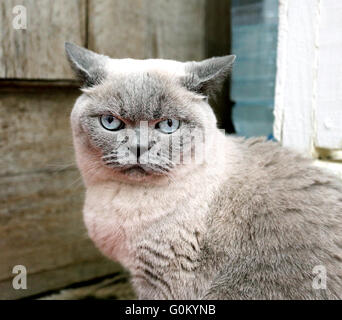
[(250, 222)]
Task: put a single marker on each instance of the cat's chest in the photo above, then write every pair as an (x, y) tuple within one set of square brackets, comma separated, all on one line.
[(118, 220)]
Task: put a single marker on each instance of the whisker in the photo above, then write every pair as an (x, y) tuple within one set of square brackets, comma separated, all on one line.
[(79, 179)]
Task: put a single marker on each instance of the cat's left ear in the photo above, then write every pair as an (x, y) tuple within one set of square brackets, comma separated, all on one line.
[(206, 77)]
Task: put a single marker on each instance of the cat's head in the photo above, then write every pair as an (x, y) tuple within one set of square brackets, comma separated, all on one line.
[(140, 121)]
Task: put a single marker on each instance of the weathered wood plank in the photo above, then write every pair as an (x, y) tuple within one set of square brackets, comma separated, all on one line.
[(34, 130), (59, 278), (116, 287), (40, 222), (38, 51), (148, 28), (41, 194)]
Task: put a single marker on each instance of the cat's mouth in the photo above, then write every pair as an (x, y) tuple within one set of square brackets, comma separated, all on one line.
[(139, 172), (135, 171)]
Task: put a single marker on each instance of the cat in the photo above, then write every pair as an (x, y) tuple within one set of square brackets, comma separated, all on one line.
[(251, 220)]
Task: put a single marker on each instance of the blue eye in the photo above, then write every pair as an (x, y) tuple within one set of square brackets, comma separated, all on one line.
[(111, 123), (168, 126)]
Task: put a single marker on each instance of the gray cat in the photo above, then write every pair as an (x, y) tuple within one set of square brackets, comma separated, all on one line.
[(248, 220)]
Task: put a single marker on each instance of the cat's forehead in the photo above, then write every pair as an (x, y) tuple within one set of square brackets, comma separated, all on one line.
[(146, 92), (129, 66)]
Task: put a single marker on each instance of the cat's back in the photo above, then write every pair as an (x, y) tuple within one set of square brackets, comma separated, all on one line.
[(280, 218), (284, 176)]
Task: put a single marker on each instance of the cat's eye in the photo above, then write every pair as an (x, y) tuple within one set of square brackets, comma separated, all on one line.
[(111, 123), (168, 126)]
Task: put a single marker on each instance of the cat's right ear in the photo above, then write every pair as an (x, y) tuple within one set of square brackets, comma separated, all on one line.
[(87, 65)]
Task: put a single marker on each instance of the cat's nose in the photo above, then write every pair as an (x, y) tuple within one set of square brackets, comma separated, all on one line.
[(138, 151)]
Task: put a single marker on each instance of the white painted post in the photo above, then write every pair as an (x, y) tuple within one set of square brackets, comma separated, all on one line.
[(308, 99), (296, 73), (328, 114)]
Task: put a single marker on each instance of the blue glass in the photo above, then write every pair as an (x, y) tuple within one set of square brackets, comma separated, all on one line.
[(254, 41)]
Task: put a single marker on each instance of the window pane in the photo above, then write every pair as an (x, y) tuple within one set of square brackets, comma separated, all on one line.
[(254, 41)]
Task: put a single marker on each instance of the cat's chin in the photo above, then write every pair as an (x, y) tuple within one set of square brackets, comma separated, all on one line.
[(135, 171), (138, 174)]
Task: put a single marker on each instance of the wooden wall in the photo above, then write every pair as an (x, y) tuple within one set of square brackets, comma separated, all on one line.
[(37, 52), (41, 192), (120, 28)]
